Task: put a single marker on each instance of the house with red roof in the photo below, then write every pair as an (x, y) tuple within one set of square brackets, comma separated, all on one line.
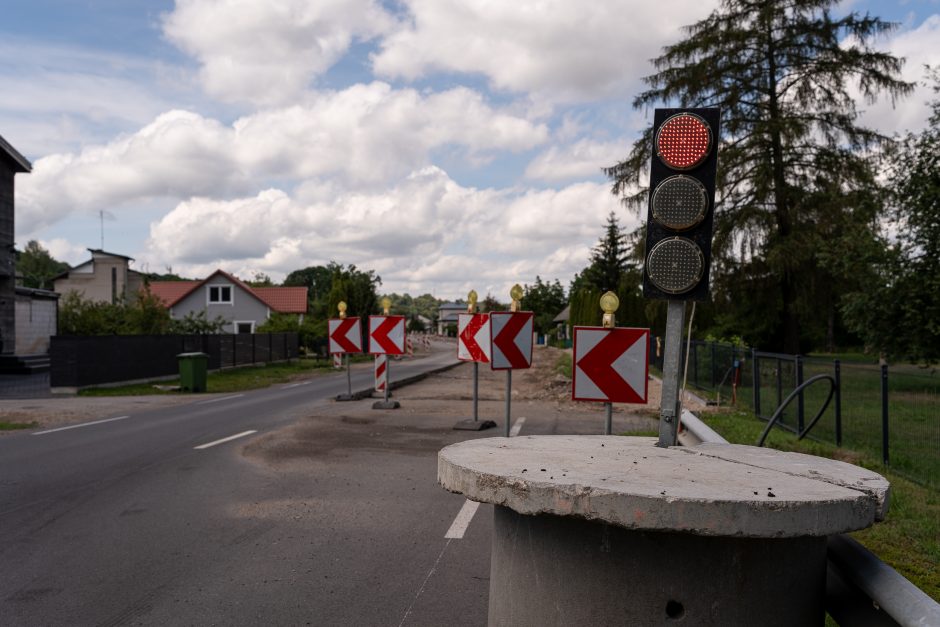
[(243, 307)]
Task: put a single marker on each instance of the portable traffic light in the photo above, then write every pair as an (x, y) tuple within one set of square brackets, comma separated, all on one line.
[(681, 203)]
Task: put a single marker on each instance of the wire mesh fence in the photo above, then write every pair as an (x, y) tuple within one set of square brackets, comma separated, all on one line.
[(887, 412)]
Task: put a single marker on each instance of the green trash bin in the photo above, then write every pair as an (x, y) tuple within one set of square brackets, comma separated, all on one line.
[(193, 369)]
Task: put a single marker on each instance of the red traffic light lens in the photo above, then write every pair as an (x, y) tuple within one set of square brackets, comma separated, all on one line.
[(683, 141)]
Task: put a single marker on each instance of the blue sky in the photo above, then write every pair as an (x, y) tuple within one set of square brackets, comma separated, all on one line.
[(448, 144)]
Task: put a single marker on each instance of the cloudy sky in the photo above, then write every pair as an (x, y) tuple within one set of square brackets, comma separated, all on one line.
[(447, 144)]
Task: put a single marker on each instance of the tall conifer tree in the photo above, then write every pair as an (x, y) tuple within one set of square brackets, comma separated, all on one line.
[(781, 71)]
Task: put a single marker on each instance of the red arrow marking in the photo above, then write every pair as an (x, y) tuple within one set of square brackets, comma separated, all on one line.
[(506, 341), (598, 364), (380, 335), (467, 336), (339, 335)]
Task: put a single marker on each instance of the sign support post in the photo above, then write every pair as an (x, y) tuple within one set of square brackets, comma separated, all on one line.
[(671, 408), (345, 337), (515, 294), (469, 328), (476, 389), (610, 364), (609, 303), (508, 399), (388, 346)]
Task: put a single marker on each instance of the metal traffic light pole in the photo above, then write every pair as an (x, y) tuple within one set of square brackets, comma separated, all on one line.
[(671, 407), (679, 233)]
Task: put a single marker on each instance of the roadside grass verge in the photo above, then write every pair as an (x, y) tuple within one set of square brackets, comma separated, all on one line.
[(563, 365), (13, 426), (224, 381), (908, 540)]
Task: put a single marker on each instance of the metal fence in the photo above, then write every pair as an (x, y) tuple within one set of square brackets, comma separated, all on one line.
[(97, 360), (888, 412)]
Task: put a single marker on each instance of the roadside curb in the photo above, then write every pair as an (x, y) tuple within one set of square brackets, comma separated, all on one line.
[(361, 394)]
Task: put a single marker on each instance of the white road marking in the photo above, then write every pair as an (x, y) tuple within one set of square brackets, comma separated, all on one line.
[(424, 583), (460, 524), (223, 440), (84, 424), (216, 400), (465, 515), (296, 385)]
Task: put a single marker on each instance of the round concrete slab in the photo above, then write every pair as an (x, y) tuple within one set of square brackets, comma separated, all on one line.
[(717, 490)]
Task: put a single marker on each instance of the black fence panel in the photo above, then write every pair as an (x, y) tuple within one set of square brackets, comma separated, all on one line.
[(95, 360)]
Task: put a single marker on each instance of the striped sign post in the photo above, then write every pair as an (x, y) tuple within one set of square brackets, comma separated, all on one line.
[(337, 361), (381, 373), (409, 346), (386, 337)]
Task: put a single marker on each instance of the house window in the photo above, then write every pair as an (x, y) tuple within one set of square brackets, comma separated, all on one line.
[(220, 294), (244, 327)]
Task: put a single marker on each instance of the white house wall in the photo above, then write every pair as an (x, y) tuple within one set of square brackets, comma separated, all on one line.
[(244, 307)]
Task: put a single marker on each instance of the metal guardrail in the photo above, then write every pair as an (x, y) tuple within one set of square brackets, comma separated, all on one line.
[(855, 574)]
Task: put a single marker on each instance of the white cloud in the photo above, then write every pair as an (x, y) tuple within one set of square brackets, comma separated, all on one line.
[(371, 133), (426, 230), (919, 47), (361, 136), (268, 52), (63, 250), (556, 48), (581, 159), (178, 155)]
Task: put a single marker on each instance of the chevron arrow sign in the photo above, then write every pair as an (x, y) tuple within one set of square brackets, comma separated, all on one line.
[(512, 339), (473, 337), (611, 365), (387, 335), (345, 335)]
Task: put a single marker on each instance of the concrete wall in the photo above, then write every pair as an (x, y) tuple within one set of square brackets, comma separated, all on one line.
[(7, 264), (35, 324), (244, 307)]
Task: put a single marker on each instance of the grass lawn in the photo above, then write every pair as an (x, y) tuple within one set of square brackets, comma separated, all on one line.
[(909, 540), (229, 380), (12, 426), (913, 407)]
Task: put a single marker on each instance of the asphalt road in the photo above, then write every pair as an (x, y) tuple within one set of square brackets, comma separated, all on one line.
[(159, 518)]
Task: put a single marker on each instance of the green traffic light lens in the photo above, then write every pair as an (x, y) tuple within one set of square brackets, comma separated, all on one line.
[(679, 202), (675, 265)]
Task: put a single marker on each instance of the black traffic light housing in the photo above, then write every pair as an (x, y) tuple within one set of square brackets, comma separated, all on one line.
[(681, 203)]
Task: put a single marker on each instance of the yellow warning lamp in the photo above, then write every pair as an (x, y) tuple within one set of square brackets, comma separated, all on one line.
[(386, 303), (472, 301), (609, 303), (516, 295), (341, 305)]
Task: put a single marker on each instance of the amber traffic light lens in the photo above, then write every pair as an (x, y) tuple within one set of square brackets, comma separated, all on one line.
[(683, 141), (680, 202), (675, 265)]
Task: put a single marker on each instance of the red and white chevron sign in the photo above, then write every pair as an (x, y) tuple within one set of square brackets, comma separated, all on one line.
[(611, 365), (511, 343), (387, 335), (381, 373), (345, 335), (473, 337), (337, 360)]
